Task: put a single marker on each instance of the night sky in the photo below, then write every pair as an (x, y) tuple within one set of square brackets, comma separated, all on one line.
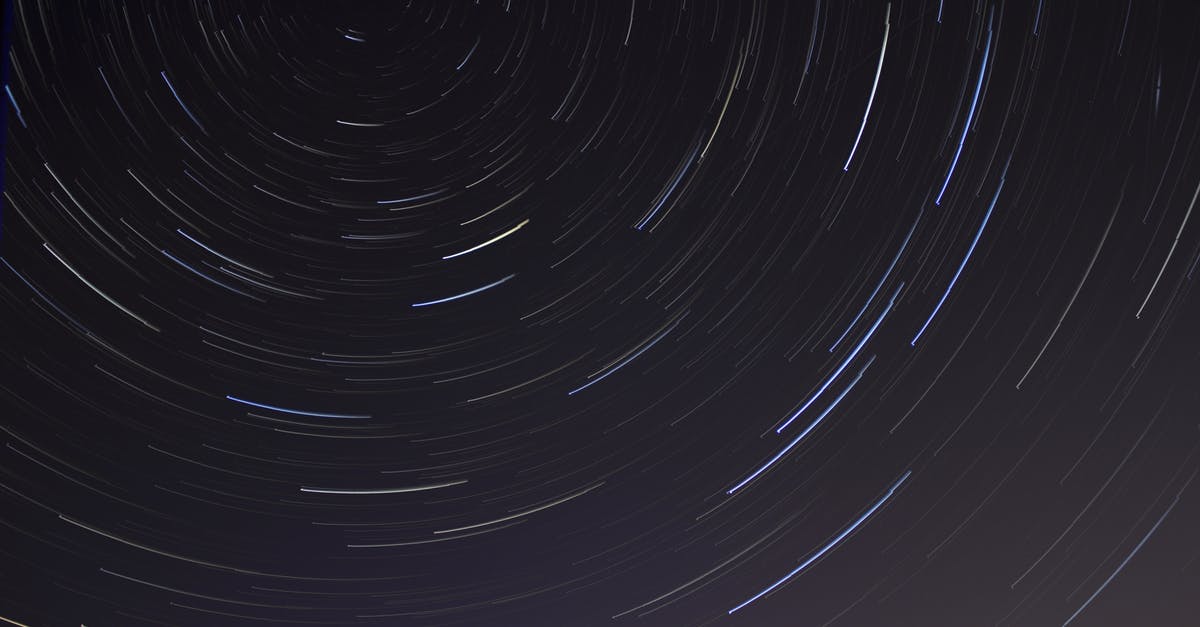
[(600, 313)]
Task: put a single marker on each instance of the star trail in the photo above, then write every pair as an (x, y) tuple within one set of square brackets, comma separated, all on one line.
[(629, 312)]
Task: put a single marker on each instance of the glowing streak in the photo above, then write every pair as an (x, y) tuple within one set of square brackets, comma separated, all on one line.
[(966, 258), (879, 285), (97, 290), (420, 488), (180, 100), (667, 194), (1170, 252), (233, 261), (1123, 562), (833, 377), (399, 200), (825, 549), (464, 294), (468, 57), (491, 241), (970, 115), (16, 107), (298, 412), (737, 73), (202, 275), (624, 361), (878, 69), (523, 513), (802, 435)]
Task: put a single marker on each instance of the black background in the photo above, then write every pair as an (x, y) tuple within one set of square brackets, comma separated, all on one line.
[(703, 225)]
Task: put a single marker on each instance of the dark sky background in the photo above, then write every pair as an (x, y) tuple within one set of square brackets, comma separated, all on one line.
[(600, 313)]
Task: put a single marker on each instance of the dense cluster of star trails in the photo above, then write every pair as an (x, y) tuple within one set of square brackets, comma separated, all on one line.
[(591, 312)]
